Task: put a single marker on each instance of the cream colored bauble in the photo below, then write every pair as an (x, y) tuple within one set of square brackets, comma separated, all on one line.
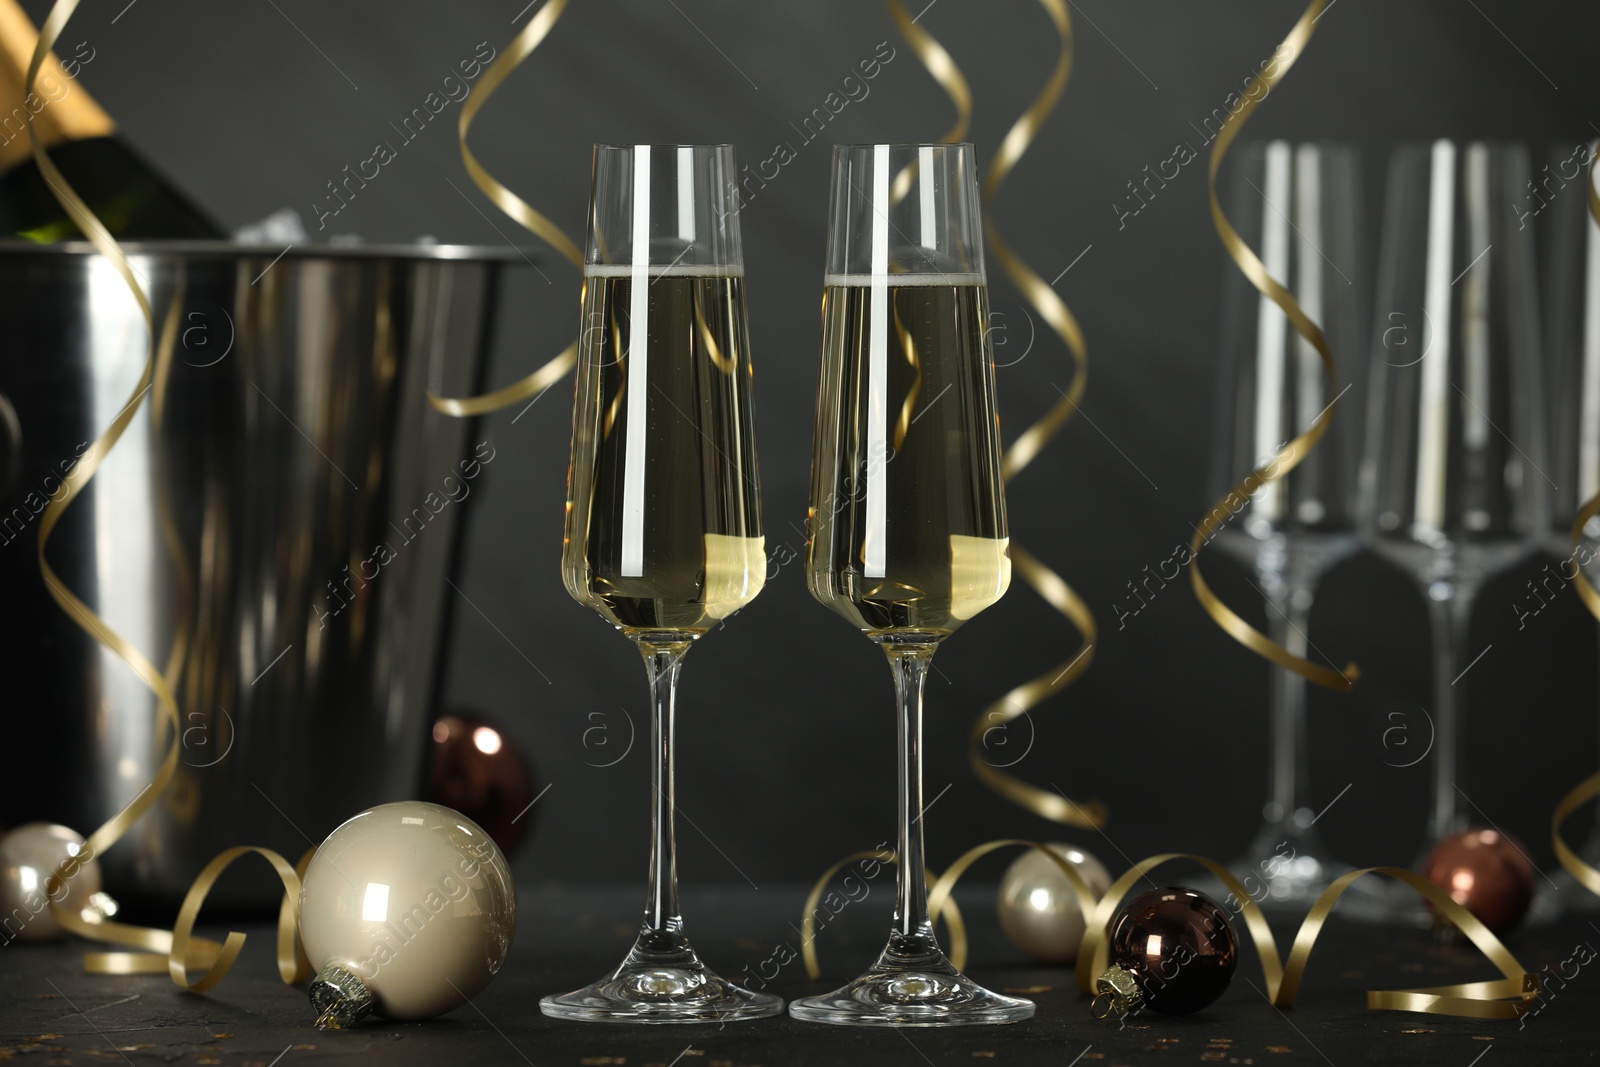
[(29, 855), (407, 911), (1038, 907)]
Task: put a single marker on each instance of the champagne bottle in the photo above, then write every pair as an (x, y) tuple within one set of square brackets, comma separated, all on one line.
[(130, 197)]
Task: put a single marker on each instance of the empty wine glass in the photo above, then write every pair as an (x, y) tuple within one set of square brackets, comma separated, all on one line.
[(1454, 481), (1573, 388), (663, 526), (908, 523), (1299, 206)]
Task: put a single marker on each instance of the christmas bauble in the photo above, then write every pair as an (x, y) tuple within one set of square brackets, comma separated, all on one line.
[(1486, 872), (29, 855), (1171, 950), (1037, 906), (406, 910), (475, 769)]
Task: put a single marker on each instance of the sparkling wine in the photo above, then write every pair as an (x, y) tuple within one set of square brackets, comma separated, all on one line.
[(663, 527), (908, 522)]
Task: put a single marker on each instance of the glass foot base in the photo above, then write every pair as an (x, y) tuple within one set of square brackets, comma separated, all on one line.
[(661, 987), (925, 992), (1281, 870)]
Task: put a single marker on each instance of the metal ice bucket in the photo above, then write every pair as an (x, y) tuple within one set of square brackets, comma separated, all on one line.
[(275, 531)]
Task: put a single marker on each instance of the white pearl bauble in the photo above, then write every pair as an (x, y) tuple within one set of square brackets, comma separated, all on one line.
[(29, 855), (1038, 907), (409, 909)]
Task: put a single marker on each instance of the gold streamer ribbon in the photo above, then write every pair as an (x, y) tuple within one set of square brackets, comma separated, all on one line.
[(1504, 998), (1044, 581), (1290, 455), (521, 47), (1582, 793), (182, 950)]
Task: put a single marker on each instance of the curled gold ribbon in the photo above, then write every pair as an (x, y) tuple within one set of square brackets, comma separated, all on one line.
[(537, 29), (182, 951), (1056, 592), (1290, 455), (1582, 793), (1504, 998)]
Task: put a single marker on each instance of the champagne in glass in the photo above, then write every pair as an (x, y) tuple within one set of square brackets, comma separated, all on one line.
[(663, 526), (908, 528)]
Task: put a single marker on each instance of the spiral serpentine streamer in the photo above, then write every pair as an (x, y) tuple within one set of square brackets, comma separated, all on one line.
[(1291, 454), (1507, 997), (1090, 814), (531, 36), (175, 951)]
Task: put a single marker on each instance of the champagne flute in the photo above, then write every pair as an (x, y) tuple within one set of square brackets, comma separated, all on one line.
[(1573, 334), (1454, 482), (1300, 206), (663, 525), (908, 524)]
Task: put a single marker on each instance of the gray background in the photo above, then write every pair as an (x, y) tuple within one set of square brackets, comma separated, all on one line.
[(786, 731)]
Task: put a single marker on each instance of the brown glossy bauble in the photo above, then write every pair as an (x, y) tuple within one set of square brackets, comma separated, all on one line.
[(1175, 946), (1486, 872), (476, 769)]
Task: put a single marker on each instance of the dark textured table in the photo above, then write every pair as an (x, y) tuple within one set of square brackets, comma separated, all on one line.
[(52, 1013)]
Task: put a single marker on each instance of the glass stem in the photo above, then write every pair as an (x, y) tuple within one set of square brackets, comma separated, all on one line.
[(1448, 618), (1288, 617), (662, 923), (913, 932)]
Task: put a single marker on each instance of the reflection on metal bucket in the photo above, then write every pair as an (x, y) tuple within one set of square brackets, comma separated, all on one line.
[(274, 530)]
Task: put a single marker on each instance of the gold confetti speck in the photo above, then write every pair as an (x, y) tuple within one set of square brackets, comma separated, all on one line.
[(1279, 1048), (221, 1037), (1419, 1030), (48, 1037), (301, 1048), (1482, 1037), (49, 996), (602, 1061), (982, 1054)]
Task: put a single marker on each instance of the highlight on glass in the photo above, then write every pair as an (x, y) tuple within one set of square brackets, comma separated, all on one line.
[(663, 523)]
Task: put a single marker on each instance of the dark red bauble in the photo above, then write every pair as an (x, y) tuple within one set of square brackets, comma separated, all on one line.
[(1486, 872), (476, 769), (1176, 946)]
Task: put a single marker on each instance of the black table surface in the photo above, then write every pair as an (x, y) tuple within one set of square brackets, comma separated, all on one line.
[(51, 1012)]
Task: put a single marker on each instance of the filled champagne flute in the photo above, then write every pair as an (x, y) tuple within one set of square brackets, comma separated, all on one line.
[(663, 524), (907, 519)]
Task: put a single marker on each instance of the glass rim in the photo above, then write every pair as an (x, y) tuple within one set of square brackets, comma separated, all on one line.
[(856, 145), (633, 146)]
